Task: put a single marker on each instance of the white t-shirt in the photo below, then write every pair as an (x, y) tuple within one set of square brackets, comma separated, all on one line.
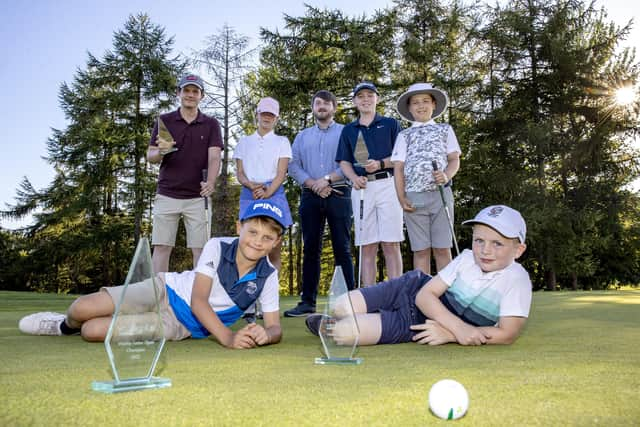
[(219, 300), (260, 155), (480, 297)]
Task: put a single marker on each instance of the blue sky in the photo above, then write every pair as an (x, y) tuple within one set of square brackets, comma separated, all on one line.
[(45, 43)]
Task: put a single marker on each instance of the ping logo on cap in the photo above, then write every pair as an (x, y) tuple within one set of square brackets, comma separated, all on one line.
[(268, 206)]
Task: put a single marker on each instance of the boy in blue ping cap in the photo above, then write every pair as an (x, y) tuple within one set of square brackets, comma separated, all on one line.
[(231, 275)]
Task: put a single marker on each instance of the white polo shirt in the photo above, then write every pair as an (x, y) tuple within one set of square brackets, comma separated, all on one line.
[(260, 155)]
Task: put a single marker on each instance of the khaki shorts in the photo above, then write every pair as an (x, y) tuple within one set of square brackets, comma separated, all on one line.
[(166, 216), (140, 301), (428, 226), (382, 213)]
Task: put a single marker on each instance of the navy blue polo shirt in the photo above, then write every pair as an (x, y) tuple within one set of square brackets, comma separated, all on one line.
[(379, 137)]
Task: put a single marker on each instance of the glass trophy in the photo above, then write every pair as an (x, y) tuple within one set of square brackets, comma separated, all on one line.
[(164, 133), (135, 338), (361, 154), (338, 330)]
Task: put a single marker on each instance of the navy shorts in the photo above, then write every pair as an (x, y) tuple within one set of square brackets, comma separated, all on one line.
[(395, 300)]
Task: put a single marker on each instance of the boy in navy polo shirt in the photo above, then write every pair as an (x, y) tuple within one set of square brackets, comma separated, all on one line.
[(232, 274), (381, 214), (482, 297)]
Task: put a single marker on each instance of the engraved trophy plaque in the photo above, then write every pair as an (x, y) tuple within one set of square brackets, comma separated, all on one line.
[(361, 154), (135, 338), (164, 133), (338, 331)]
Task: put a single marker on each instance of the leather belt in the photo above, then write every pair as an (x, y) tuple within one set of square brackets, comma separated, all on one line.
[(379, 175)]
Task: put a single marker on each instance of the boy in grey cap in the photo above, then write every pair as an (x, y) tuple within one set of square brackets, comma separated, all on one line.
[(482, 297)]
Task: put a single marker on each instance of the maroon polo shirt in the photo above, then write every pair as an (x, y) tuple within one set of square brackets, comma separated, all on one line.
[(181, 171)]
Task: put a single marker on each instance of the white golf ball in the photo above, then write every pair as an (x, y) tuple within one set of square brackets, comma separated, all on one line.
[(448, 399)]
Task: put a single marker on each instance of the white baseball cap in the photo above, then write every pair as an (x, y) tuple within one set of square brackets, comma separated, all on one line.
[(503, 219)]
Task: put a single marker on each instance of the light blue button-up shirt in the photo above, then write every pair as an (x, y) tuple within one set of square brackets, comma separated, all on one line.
[(314, 153)]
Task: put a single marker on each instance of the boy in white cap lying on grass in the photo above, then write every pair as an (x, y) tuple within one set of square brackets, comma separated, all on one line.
[(482, 297)]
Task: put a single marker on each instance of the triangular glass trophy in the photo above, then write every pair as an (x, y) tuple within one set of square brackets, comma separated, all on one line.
[(338, 330), (135, 338), (164, 133), (361, 153)]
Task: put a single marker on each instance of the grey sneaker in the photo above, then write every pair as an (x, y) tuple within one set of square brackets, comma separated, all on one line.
[(301, 310), (43, 323)]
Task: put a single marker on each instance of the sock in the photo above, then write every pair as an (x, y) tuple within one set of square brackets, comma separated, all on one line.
[(67, 330)]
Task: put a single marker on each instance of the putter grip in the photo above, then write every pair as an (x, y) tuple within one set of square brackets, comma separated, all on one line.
[(204, 179), (434, 164)]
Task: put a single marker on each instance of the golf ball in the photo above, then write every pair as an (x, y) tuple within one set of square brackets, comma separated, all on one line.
[(448, 399)]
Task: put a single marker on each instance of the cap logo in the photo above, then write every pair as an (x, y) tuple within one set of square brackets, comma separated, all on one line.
[(495, 211), (192, 78), (268, 206)]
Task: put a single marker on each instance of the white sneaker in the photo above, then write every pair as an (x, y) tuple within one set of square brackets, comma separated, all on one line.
[(43, 323)]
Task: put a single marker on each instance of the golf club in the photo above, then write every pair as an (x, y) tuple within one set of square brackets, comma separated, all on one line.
[(206, 207), (446, 210)]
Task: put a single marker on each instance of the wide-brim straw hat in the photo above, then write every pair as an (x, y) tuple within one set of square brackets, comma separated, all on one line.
[(417, 88)]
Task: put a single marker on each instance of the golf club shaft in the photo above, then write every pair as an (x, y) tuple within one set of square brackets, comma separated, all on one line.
[(360, 246), (206, 207), (446, 210)]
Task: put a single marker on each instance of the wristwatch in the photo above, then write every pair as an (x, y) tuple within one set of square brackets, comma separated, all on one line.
[(328, 178)]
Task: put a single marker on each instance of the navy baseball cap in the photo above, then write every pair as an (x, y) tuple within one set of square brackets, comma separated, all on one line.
[(191, 79), (364, 85), (264, 208)]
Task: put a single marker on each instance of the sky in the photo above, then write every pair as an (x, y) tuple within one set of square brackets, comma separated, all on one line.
[(45, 44)]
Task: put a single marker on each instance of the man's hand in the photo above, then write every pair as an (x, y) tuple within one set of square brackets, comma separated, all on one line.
[(433, 333), (164, 145), (207, 188)]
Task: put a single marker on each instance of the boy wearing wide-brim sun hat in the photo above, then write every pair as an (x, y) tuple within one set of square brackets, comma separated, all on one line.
[(415, 151)]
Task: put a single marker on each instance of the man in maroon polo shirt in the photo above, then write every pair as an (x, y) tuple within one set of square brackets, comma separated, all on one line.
[(181, 187)]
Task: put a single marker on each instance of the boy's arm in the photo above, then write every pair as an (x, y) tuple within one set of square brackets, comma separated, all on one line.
[(398, 177), (209, 319), (506, 331), (428, 301)]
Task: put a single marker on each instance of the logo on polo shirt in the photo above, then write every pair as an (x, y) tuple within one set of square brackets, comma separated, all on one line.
[(211, 264), (251, 288)]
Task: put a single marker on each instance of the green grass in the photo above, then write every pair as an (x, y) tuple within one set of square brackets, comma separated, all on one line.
[(577, 363)]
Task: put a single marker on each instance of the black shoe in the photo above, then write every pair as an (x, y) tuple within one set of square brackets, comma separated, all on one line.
[(313, 323), (302, 309)]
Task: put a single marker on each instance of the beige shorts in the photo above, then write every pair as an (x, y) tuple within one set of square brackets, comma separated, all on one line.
[(382, 213), (166, 216), (140, 300)]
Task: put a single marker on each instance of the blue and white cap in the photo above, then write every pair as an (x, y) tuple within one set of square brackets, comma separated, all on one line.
[(503, 219), (191, 79), (264, 208)]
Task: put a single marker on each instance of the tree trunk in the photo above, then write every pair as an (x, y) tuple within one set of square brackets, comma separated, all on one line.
[(550, 279)]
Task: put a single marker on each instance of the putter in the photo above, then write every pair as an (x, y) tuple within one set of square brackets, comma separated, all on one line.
[(206, 208), (361, 154), (446, 209)]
